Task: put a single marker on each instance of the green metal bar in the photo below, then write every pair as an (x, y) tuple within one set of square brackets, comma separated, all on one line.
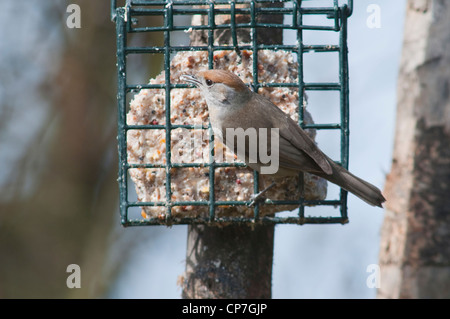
[(301, 83), (266, 220), (349, 8), (159, 126), (233, 26), (306, 86), (301, 88), (241, 203), (185, 165), (212, 164), (274, 47), (168, 21), (330, 11), (336, 15), (344, 93), (322, 126), (193, 2), (121, 111), (255, 85), (227, 26), (322, 86)]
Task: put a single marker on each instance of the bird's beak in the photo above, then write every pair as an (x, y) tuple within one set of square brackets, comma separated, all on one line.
[(191, 79)]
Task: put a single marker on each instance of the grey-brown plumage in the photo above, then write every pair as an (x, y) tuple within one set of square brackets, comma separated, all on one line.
[(232, 105)]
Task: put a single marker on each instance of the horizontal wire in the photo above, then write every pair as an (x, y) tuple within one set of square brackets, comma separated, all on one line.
[(243, 220), (275, 47), (313, 86)]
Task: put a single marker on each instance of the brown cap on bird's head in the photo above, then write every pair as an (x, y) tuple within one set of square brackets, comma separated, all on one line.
[(225, 77)]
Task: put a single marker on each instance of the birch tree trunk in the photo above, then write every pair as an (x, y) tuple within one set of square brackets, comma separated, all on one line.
[(415, 243)]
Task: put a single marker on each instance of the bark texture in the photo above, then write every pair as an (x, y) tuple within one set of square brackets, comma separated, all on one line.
[(415, 243)]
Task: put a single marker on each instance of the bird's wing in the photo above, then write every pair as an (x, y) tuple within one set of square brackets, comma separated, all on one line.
[(290, 157), (301, 141), (297, 142)]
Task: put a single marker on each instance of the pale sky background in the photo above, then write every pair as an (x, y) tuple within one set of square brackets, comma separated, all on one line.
[(310, 261)]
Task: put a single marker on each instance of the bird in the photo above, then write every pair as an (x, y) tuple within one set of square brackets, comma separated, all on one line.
[(233, 106)]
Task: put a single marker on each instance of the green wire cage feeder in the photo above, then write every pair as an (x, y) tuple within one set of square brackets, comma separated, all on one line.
[(156, 120)]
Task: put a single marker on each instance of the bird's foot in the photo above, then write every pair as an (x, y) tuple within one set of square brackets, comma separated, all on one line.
[(260, 198)]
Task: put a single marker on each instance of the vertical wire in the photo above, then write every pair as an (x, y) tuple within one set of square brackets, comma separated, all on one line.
[(253, 35), (212, 204), (344, 102), (301, 84), (336, 15), (121, 111), (168, 21), (233, 27)]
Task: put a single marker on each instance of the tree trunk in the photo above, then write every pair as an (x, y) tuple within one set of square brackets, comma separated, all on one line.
[(415, 243), (232, 261)]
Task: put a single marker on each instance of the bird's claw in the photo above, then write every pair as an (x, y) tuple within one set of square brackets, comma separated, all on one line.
[(256, 198), (259, 198)]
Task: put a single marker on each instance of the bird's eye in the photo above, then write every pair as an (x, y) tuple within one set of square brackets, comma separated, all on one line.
[(209, 82)]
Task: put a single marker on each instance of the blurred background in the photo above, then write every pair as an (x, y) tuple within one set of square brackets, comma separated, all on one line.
[(58, 150)]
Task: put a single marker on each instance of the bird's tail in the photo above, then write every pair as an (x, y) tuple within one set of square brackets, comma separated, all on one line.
[(359, 187)]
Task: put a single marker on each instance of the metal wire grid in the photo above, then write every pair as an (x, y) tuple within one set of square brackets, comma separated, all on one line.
[(124, 16)]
